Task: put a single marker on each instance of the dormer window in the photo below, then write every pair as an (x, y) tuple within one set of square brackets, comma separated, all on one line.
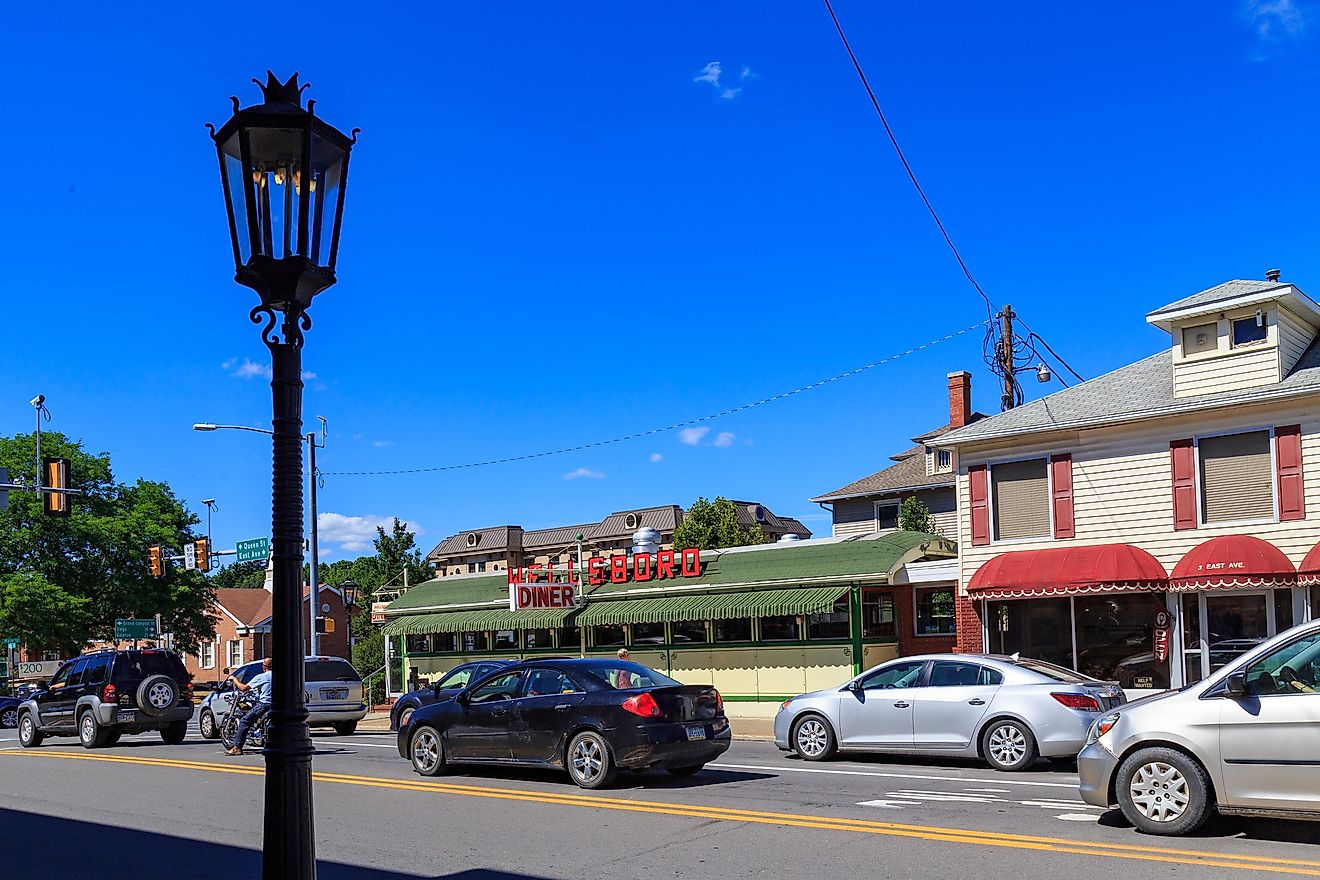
[(943, 461), (1249, 330), (630, 521), (1200, 339)]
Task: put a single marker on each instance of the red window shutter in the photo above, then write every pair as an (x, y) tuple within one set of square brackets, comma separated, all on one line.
[(1288, 461), (978, 483), (1061, 495), (1182, 459)]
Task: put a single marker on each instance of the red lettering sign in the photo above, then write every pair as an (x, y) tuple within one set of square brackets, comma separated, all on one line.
[(691, 562), (1160, 636), (642, 567), (541, 597), (618, 569), (664, 564)]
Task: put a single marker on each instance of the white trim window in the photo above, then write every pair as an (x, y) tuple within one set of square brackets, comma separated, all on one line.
[(943, 461), (1020, 499), (1236, 477), (206, 655), (234, 653), (886, 516)]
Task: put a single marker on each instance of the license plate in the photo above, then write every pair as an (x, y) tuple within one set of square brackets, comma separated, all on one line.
[(694, 733), (123, 717), (334, 693)]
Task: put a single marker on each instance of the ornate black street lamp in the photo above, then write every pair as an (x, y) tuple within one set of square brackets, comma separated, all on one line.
[(283, 171), (349, 588)]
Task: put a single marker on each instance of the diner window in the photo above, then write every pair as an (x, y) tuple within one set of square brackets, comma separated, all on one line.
[(415, 644), (832, 624), (569, 637), (1200, 339), (648, 633), (1020, 495), (609, 635), (688, 632), (878, 615), (537, 638), (781, 628), (506, 640), (1237, 477), (473, 641), (886, 517), (442, 642), (1115, 640), (1249, 330), (935, 612), (738, 629)]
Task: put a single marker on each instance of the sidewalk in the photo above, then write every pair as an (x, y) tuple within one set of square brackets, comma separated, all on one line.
[(760, 729)]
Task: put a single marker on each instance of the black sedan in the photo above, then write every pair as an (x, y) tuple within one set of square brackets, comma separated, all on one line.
[(453, 681), (589, 717), (9, 711)]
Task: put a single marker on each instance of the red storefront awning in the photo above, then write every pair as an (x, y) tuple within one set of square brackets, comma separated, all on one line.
[(1308, 573), (1232, 561), (1068, 571)]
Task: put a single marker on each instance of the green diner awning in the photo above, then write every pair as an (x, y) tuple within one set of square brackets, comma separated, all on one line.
[(477, 620), (711, 606)]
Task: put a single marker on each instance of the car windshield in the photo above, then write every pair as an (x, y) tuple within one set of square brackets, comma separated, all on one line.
[(458, 678), (1049, 670), (330, 670), (622, 675)]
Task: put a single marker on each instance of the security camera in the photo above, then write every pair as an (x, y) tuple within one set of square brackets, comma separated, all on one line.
[(38, 400)]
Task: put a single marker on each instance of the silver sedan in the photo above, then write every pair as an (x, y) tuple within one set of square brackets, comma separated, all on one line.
[(1006, 710)]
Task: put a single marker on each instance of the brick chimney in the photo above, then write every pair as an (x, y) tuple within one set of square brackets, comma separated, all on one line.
[(960, 398)]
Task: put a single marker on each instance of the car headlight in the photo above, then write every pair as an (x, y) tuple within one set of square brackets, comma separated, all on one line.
[(784, 705), (1101, 726)]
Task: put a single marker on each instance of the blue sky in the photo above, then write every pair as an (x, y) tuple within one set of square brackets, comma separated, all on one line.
[(571, 222)]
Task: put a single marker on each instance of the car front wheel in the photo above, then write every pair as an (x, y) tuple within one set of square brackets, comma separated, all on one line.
[(9, 717), (590, 764), (207, 727), (812, 739), (1163, 791), (427, 752), (28, 735)]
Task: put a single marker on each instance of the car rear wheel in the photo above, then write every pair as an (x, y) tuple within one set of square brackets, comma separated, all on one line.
[(813, 740), (590, 764), (345, 728), (1163, 791), (687, 771), (174, 733), (427, 752), (1008, 745), (207, 727), (90, 732), (9, 717), (112, 737), (28, 735)]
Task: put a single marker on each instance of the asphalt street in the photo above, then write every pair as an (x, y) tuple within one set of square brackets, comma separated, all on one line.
[(145, 810)]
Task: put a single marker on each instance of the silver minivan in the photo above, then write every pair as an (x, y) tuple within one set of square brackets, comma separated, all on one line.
[(334, 696), (1244, 741)]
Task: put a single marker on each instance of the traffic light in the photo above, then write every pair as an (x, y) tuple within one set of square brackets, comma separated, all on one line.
[(202, 547), (325, 625), (157, 561), (56, 477)]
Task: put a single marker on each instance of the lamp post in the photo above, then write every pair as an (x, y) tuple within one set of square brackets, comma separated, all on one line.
[(283, 173)]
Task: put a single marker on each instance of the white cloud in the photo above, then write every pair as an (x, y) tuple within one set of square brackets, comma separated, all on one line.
[(655, 456), (353, 534), (1276, 20), (308, 374), (711, 73), (382, 444), (729, 94), (229, 364), (724, 439), (746, 73), (692, 436), (584, 472), (247, 369)]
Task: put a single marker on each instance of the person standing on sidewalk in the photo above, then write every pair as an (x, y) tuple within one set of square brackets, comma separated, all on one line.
[(260, 685)]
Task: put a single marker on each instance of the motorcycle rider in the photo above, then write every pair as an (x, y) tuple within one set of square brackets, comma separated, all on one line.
[(260, 686)]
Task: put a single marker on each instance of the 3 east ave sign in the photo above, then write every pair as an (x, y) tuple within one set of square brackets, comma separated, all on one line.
[(542, 587)]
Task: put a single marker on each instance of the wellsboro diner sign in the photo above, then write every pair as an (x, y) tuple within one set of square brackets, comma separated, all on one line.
[(534, 588)]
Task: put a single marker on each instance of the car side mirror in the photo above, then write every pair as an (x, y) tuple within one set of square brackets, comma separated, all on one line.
[(1235, 685), (855, 686)]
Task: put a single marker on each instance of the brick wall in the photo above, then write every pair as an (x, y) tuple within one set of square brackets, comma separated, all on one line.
[(969, 626)]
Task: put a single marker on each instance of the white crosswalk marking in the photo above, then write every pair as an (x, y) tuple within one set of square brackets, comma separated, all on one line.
[(891, 805)]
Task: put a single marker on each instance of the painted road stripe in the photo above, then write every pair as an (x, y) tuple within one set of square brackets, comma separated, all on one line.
[(932, 833), (1072, 785)]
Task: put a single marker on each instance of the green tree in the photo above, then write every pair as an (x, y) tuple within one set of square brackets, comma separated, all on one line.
[(67, 579), (710, 525), (914, 516), (240, 575)]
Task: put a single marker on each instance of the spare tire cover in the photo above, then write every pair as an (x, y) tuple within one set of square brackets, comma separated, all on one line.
[(157, 694)]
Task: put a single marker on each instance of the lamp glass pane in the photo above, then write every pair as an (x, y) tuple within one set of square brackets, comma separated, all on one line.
[(235, 179), (328, 173)]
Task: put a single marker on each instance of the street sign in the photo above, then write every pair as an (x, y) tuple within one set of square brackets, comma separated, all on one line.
[(255, 550), (190, 556), (132, 628), (37, 669), (11, 642)]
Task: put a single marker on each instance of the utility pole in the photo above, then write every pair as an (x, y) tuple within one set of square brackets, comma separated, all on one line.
[(210, 507), (314, 580), (581, 599), (1008, 373)]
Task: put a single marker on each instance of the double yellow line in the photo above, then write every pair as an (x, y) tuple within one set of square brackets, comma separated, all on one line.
[(698, 811)]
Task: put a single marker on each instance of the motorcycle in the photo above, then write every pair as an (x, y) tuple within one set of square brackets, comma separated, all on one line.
[(256, 737)]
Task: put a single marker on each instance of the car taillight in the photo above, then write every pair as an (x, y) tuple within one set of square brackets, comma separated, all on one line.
[(109, 694), (643, 705), (719, 704), (1078, 701)]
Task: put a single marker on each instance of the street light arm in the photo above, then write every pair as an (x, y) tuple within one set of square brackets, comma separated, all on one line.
[(207, 426)]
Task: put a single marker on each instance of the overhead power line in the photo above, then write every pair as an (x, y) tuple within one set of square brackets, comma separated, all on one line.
[(674, 427)]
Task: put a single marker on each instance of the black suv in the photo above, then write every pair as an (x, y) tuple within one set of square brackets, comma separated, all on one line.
[(98, 697)]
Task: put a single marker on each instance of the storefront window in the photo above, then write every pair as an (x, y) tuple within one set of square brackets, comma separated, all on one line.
[(688, 632), (832, 624), (506, 640), (416, 644), (736, 630), (935, 614), (473, 641), (537, 638), (1283, 610), (878, 615), (648, 634), (570, 638), (1235, 623), (1037, 628), (1115, 640), (1191, 624), (779, 629), (441, 642), (609, 636)]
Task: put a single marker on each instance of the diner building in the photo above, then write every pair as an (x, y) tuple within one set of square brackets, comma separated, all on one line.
[(1153, 523), (761, 623)]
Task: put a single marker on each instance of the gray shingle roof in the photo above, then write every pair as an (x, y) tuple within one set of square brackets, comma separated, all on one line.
[(560, 536), (490, 539), (663, 519), (910, 473), (1137, 391), (1220, 292)]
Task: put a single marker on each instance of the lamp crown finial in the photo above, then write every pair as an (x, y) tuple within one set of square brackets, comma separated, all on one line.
[(276, 92)]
